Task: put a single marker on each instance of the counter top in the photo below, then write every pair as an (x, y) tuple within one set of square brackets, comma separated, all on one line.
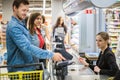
[(86, 77), (78, 71)]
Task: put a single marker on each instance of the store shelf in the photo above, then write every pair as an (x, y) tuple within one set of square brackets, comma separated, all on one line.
[(113, 28), (114, 42), (114, 35), (114, 23)]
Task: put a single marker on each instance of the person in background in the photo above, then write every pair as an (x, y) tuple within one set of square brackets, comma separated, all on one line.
[(45, 32), (75, 33), (106, 63), (34, 26), (60, 31), (19, 47), (37, 33)]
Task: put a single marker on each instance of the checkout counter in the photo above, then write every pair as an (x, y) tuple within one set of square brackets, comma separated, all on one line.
[(77, 71)]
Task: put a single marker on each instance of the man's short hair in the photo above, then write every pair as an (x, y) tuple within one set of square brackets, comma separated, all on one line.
[(17, 3)]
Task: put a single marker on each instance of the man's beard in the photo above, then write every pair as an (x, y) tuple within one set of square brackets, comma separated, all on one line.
[(19, 17)]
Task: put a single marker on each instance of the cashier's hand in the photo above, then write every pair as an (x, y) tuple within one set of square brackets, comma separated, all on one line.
[(97, 69), (83, 61), (58, 57)]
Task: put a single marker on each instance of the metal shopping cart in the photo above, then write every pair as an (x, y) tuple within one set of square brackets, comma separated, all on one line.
[(23, 75)]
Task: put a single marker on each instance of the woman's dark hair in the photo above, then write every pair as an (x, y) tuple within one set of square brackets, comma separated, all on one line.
[(26, 20), (31, 20), (104, 35), (17, 3), (58, 23), (43, 18)]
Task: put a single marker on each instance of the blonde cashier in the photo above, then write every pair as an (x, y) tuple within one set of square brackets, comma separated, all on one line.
[(106, 63)]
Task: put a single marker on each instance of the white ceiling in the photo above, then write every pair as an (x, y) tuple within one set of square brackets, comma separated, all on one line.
[(39, 4)]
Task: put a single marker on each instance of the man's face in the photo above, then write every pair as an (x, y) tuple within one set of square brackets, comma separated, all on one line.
[(21, 11)]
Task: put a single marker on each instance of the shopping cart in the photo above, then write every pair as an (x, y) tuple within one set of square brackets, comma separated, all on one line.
[(61, 69), (23, 75)]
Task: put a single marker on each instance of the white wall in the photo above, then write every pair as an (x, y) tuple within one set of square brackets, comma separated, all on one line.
[(87, 32)]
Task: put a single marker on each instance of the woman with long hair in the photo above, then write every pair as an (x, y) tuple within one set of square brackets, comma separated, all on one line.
[(106, 63), (60, 24), (60, 31)]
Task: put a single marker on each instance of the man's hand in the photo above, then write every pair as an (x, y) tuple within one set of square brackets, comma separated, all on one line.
[(58, 57)]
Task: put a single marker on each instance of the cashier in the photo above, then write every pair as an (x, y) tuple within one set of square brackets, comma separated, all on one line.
[(106, 63)]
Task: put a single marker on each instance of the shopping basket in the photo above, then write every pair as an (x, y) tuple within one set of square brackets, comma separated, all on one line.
[(23, 75)]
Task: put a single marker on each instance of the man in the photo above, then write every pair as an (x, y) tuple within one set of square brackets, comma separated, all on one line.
[(19, 48)]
